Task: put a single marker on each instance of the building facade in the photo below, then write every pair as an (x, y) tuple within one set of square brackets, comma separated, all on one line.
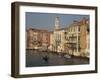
[(37, 39), (58, 36), (77, 38)]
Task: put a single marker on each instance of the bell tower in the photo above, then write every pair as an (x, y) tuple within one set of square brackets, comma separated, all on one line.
[(57, 23)]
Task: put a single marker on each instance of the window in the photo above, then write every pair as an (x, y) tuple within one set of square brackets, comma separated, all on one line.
[(78, 28)]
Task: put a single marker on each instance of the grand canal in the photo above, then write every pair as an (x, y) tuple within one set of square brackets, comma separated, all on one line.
[(39, 58)]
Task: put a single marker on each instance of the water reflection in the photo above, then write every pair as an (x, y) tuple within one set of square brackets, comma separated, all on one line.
[(38, 58)]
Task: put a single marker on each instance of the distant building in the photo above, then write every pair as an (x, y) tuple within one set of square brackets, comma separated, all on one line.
[(37, 38), (51, 47)]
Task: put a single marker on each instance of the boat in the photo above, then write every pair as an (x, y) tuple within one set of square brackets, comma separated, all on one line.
[(67, 56)]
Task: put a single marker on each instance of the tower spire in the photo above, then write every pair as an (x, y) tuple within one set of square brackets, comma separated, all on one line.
[(57, 23)]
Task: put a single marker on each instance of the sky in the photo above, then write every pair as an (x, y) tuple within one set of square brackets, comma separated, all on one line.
[(47, 20)]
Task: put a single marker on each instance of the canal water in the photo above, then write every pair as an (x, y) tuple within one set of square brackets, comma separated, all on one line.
[(39, 58)]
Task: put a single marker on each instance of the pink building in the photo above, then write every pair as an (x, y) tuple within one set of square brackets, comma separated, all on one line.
[(37, 38)]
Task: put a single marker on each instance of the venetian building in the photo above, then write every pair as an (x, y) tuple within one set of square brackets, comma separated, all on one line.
[(77, 38), (88, 44), (51, 47), (58, 36), (38, 39), (45, 39), (84, 37), (32, 38), (72, 38)]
